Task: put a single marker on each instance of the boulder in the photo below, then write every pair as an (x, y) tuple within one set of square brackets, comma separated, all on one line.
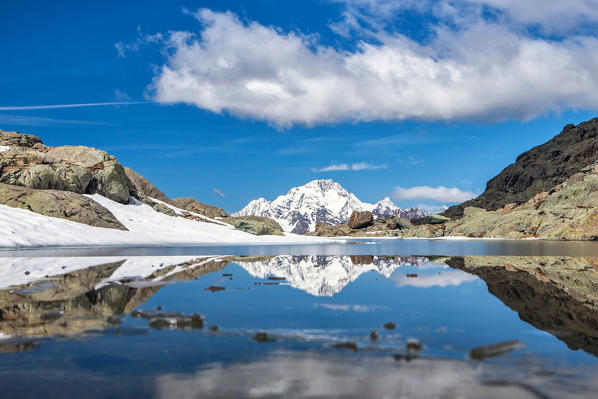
[(77, 169), (15, 139), (359, 220), (256, 225), (193, 205), (60, 204), (164, 209)]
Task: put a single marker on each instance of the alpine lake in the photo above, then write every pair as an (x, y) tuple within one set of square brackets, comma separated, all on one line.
[(368, 318)]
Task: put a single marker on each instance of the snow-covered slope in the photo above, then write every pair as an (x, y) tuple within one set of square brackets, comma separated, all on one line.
[(22, 228), (300, 209)]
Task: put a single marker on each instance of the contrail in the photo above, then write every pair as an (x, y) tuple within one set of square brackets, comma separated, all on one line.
[(33, 107)]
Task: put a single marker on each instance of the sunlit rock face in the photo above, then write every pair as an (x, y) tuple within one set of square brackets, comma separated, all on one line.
[(325, 275)]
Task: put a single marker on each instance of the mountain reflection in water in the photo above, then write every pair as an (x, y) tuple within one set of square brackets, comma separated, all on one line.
[(305, 306)]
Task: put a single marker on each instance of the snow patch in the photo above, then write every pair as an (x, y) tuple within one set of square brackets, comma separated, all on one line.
[(4, 148), (22, 228)]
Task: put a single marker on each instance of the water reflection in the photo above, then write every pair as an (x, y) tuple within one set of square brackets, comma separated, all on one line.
[(308, 325), (555, 294)]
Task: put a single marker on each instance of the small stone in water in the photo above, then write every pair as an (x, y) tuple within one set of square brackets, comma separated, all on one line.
[(390, 325), (414, 345), (346, 345), (374, 335), (263, 337)]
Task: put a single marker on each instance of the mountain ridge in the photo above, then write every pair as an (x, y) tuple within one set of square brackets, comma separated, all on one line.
[(322, 200)]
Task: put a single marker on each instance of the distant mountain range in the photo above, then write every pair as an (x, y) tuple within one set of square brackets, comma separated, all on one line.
[(299, 210)]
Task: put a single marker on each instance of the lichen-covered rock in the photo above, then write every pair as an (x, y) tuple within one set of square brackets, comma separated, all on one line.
[(255, 225), (359, 220), (193, 205), (60, 204), (78, 169), (164, 209)]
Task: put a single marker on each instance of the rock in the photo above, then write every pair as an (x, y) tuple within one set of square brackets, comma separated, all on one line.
[(193, 205), (470, 210), (77, 169), (15, 139), (164, 209), (60, 204), (539, 169), (255, 225), (374, 335), (359, 220), (144, 187), (509, 208), (483, 352), (432, 219), (390, 325), (263, 337)]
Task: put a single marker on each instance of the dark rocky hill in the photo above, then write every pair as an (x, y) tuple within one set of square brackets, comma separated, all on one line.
[(538, 169)]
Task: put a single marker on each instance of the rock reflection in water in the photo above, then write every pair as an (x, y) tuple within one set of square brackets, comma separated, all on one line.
[(555, 294), (85, 300)]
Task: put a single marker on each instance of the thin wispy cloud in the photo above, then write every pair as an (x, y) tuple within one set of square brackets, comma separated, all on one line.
[(440, 194), (58, 106), (26, 120), (349, 167), (218, 193)]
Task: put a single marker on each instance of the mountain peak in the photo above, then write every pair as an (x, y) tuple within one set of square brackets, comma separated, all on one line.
[(323, 200)]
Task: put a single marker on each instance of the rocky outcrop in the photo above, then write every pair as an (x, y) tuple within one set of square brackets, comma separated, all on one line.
[(60, 204), (143, 186), (256, 225), (569, 211), (538, 169), (193, 205), (77, 169), (359, 220)]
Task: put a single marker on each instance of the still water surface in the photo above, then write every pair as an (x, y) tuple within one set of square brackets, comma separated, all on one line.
[(390, 318)]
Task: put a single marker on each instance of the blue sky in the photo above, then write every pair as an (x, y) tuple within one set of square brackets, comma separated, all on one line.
[(251, 98)]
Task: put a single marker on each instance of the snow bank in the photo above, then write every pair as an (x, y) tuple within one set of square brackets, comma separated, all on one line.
[(4, 148), (22, 228)]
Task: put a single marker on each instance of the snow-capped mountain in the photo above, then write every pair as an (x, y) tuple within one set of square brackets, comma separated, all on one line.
[(299, 210), (326, 275)]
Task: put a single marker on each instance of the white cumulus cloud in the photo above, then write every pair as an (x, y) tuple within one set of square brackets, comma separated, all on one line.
[(483, 69), (440, 194)]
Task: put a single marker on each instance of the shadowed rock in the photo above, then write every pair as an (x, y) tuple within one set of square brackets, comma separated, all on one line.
[(359, 220), (144, 187)]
